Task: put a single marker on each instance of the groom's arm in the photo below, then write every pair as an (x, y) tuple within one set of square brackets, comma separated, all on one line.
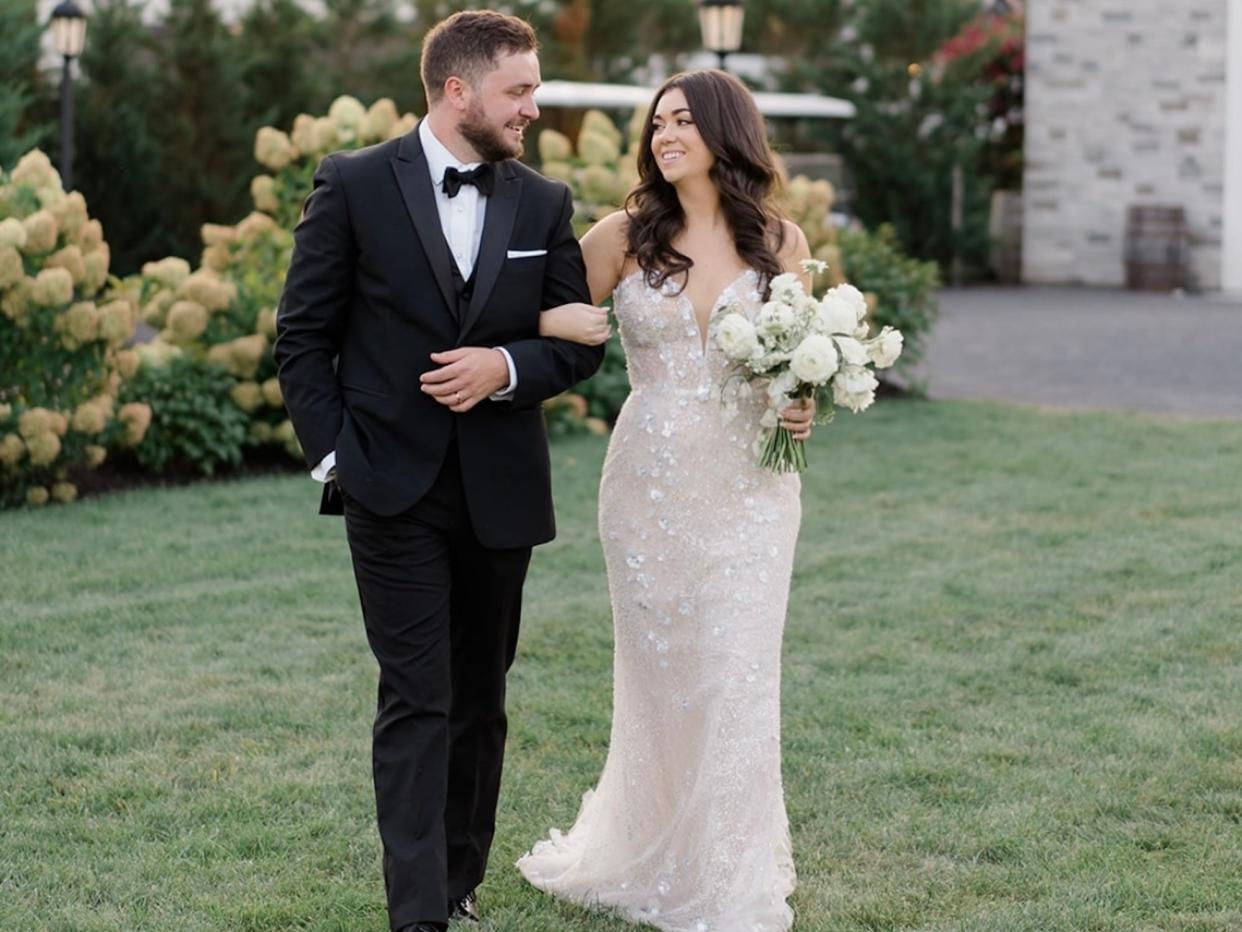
[(547, 366), (314, 307)]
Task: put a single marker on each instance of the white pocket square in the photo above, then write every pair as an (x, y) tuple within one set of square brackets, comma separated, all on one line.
[(525, 253)]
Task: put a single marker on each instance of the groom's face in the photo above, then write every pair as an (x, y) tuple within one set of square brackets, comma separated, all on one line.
[(501, 106)]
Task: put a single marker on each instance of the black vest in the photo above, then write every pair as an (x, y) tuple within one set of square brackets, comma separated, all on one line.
[(464, 290)]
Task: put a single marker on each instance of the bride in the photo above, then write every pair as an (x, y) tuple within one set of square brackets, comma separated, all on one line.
[(686, 830)]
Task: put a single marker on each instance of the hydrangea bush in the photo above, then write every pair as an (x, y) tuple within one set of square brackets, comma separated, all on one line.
[(62, 340), (600, 167), (224, 311)]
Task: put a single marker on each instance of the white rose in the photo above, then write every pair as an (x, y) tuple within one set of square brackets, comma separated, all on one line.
[(854, 298), (775, 319), (736, 337), (815, 359), (835, 315), (886, 347), (853, 352), (854, 388), (786, 287)]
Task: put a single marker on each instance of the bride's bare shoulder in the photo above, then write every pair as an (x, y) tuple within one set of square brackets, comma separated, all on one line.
[(606, 243), (793, 247), (611, 230), (604, 249)]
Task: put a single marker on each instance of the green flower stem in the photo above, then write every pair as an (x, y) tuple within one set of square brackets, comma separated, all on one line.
[(782, 453)]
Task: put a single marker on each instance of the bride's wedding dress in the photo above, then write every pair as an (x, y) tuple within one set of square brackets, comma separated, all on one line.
[(686, 830)]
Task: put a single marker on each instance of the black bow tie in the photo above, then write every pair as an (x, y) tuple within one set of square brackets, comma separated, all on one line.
[(481, 177)]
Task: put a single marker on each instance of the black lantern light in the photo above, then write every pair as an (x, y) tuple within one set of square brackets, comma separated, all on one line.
[(720, 22), (69, 37)]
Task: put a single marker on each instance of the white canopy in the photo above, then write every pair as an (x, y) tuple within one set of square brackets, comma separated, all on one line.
[(626, 96)]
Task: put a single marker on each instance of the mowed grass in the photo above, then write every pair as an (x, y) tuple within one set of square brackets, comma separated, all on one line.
[(1012, 691)]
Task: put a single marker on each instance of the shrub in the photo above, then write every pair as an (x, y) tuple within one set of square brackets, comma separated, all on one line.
[(566, 415), (900, 290), (224, 312), (61, 339), (600, 166), (195, 423), (607, 390)]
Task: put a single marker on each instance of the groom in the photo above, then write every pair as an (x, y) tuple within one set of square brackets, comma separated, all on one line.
[(413, 371)]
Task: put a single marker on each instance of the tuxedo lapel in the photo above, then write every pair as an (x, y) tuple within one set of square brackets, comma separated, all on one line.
[(497, 227), (414, 180)]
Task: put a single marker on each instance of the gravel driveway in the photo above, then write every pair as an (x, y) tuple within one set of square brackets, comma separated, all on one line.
[(1089, 348)]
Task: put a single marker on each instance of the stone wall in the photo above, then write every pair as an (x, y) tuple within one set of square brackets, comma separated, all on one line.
[(1125, 104)]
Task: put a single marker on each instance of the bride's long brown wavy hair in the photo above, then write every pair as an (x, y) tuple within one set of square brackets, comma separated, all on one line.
[(744, 172)]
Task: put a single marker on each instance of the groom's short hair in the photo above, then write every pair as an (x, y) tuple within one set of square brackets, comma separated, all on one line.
[(467, 45)]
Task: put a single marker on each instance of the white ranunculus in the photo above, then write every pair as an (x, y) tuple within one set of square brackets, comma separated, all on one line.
[(815, 359), (736, 337), (835, 315), (854, 298), (786, 287), (775, 319), (886, 347), (854, 388), (853, 352)]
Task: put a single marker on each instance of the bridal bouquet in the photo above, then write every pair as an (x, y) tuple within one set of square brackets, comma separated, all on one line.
[(796, 346)]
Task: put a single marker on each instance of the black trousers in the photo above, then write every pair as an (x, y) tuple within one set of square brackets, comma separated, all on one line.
[(442, 615)]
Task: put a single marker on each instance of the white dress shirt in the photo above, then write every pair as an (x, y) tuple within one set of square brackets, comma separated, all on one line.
[(461, 219)]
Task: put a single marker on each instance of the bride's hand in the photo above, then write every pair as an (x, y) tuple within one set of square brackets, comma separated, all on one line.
[(799, 417), (578, 323)]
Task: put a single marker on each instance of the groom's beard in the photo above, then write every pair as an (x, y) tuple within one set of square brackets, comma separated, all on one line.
[(488, 141)]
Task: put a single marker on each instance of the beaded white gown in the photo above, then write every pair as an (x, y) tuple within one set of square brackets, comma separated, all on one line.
[(686, 830)]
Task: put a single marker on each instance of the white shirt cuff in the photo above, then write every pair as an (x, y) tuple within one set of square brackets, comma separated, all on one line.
[(506, 394), (323, 471)]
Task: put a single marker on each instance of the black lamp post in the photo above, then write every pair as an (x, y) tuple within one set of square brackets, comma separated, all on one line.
[(69, 36), (720, 22)]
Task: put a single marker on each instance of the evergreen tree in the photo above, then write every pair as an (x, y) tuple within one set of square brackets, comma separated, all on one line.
[(370, 54), (282, 47), (25, 100), (119, 158), (207, 143)]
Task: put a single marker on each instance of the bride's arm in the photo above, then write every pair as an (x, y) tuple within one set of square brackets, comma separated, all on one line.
[(603, 250)]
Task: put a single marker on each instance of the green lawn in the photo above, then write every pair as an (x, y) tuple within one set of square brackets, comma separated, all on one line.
[(1013, 691)]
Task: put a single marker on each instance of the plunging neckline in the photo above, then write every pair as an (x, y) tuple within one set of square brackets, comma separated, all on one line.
[(685, 302)]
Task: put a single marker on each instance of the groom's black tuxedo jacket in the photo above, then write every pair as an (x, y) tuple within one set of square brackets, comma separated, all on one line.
[(370, 295)]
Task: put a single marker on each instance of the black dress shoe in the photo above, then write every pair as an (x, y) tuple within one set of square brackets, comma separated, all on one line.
[(465, 908), (423, 927)]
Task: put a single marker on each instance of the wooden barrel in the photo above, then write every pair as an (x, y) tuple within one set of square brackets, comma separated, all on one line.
[(1156, 251)]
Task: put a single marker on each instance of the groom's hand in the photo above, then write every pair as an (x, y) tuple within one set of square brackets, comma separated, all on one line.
[(466, 376)]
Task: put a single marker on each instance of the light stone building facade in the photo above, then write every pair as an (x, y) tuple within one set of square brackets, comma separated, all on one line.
[(1132, 102)]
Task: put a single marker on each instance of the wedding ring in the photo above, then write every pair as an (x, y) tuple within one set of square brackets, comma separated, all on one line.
[(458, 397)]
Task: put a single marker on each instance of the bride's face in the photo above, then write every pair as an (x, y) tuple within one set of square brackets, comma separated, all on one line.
[(676, 145)]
